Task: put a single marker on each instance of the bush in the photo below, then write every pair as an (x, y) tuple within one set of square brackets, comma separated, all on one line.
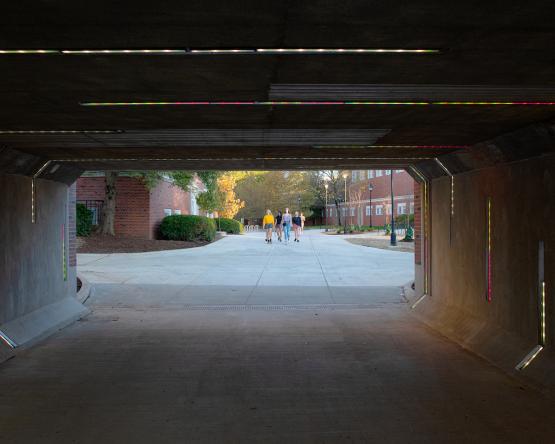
[(84, 220), (230, 226), (409, 235), (188, 228)]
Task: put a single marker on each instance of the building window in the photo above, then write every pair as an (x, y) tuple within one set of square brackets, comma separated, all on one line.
[(354, 176), (176, 211), (379, 210), (362, 175), (379, 173), (352, 211), (388, 209), (370, 174), (167, 211), (368, 210), (388, 172), (399, 171), (411, 208), (401, 208)]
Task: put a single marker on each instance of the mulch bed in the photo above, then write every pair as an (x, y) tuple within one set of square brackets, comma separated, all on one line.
[(97, 243), (384, 244)]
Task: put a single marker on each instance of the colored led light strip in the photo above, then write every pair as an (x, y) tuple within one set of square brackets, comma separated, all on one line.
[(426, 289), (34, 191), (489, 255), (235, 158), (7, 340), (311, 103), (61, 131), (420, 299), (543, 336), (529, 358), (28, 51), (64, 261), (220, 51), (394, 146)]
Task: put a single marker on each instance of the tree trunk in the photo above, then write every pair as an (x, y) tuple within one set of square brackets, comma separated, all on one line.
[(109, 207), (338, 212)]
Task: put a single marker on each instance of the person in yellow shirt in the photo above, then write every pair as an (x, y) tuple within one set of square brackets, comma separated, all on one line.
[(268, 224)]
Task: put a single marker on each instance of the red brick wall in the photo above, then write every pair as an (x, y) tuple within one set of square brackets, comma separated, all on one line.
[(417, 223), (132, 204), (381, 195), (165, 195)]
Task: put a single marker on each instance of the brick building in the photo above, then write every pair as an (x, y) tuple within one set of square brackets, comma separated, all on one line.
[(139, 210), (365, 207)]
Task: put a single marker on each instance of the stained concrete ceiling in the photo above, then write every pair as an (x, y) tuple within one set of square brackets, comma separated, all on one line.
[(496, 48)]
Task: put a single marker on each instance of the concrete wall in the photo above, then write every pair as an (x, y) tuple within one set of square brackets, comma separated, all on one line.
[(32, 255), (523, 208)]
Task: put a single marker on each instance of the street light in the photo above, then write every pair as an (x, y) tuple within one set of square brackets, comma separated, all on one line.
[(370, 188), (345, 175), (393, 240), (326, 185)]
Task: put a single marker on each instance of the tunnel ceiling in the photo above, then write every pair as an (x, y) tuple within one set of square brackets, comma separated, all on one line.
[(411, 110)]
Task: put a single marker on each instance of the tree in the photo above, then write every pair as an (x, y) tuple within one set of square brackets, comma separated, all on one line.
[(181, 179), (230, 203), (108, 213), (336, 188), (274, 190)]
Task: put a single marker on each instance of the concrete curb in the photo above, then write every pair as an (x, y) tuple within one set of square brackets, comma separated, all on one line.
[(37, 325), (85, 291), (490, 342)]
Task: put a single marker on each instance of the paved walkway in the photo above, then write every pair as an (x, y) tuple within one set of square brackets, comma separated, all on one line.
[(159, 361), (321, 269)]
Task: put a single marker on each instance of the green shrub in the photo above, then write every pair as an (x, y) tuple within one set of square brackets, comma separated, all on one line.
[(84, 220), (188, 228), (230, 226), (409, 235)]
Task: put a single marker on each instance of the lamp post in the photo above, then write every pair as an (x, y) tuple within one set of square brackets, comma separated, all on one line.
[(326, 185), (370, 188), (393, 240), (345, 175)]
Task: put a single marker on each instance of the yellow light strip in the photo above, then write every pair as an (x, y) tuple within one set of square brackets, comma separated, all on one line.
[(529, 358)]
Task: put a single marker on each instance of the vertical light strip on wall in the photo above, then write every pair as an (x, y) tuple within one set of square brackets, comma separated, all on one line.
[(426, 261), (34, 191), (541, 294), (452, 209), (542, 330), (489, 264), (64, 260), (33, 198)]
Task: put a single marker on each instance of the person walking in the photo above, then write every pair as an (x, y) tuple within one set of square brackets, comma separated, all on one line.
[(279, 226), (286, 222), (302, 222), (268, 224), (297, 226)]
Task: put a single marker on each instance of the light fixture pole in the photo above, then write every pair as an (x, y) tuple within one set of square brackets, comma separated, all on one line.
[(393, 235), (326, 185), (345, 175), (370, 188)]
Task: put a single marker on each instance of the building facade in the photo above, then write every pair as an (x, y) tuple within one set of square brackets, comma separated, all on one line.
[(139, 211), (368, 200)]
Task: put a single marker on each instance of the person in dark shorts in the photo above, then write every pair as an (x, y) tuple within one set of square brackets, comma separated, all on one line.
[(279, 227), (268, 224), (297, 226)]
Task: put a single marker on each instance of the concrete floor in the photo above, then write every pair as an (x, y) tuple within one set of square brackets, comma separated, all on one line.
[(172, 367)]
